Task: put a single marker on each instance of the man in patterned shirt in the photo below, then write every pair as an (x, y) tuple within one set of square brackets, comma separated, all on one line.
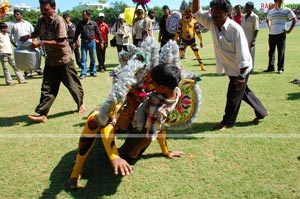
[(59, 65)]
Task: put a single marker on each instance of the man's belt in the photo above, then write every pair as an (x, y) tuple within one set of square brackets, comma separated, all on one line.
[(87, 40)]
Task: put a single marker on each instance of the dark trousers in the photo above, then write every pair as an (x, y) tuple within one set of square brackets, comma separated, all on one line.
[(77, 57), (53, 76), (279, 42), (121, 47), (76, 53), (101, 55), (234, 100)]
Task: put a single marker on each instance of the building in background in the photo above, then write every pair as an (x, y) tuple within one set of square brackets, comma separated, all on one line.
[(97, 5)]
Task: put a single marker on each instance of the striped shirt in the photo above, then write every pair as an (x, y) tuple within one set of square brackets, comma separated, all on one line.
[(278, 18)]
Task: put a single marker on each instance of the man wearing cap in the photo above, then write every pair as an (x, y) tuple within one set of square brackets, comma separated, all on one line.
[(137, 28), (104, 30), (122, 32), (164, 35)]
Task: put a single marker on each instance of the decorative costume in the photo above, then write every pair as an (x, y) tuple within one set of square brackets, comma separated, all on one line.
[(131, 105), (187, 29)]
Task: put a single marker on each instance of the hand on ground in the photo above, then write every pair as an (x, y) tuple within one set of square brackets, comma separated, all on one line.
[(121, 165)]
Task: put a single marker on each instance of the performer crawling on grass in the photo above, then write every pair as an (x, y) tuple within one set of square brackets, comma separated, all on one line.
[(147, 124), (149, 92)]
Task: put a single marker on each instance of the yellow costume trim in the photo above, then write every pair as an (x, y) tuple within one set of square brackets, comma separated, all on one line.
[(162, 141), (107, 134), (86, 143)]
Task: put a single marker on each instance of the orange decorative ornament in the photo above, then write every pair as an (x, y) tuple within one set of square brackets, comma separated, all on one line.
[(4, 6)]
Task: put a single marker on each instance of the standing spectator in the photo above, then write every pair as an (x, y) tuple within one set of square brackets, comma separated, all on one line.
[(88, 28), (148, 24), (276, 20), (232, 54), (187, 29), (238, 14), (71, 34), (137, 28), (164, 35), (104, 29), (59, 66), (19, 28), (6, 57), (250, 25), (122, 32)]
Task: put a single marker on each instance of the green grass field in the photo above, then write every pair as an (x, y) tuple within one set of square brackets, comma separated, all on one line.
[(247, 161)]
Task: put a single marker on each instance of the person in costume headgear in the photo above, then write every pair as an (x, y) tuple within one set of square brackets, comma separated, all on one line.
[(187, 29), (143, 98), (147, 125)]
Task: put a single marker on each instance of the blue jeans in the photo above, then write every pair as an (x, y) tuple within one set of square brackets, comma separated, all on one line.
[(91, 46)]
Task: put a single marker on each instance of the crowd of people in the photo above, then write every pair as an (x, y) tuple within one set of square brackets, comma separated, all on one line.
[(62, 43), (233, 36)]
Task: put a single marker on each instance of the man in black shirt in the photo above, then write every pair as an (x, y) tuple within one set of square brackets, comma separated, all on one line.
[(164, 35), (71, 33), (87, 28)]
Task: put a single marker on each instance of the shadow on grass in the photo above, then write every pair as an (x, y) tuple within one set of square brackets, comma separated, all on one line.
[(111, 67), (293, 96), (15, 120), (97, 181), (97, 176), (198, 128)]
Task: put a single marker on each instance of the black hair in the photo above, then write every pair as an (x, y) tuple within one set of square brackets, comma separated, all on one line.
[(237, 6), (139, 10), (150, 12), (225, 5), (165, 7), (250, 3), (168, 75), (3, 25), (51, 2), (87, 12), (18, 10), (66, 15)]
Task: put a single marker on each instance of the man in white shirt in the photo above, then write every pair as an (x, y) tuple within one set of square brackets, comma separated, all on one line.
[(232, 55), (19, 28), (276, 20), (250, 25)]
